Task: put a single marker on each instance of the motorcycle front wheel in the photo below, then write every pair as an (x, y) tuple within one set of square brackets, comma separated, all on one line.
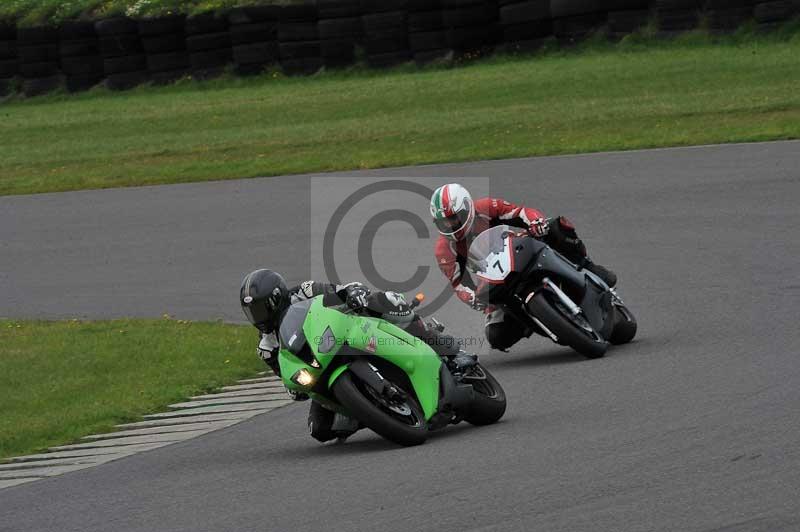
[(401, 421), (489, 400), (624, 325), (568, 332)]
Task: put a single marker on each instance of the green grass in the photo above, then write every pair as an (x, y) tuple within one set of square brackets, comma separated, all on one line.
[(64, 380), (36, 12), (637, 94)]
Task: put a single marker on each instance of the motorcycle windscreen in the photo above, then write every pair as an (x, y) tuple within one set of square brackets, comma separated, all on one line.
[(490, 256), (291, 331)]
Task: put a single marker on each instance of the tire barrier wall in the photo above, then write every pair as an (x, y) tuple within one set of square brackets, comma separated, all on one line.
[(122, 53)]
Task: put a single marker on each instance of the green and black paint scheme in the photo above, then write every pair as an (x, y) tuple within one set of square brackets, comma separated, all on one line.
[(377, 373)]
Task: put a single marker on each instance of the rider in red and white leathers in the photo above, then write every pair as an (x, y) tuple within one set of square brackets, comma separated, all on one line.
[(459, 220)]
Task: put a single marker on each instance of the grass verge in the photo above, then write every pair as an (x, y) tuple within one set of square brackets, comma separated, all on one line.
[(639, 93), (65, 380), (36, 12)]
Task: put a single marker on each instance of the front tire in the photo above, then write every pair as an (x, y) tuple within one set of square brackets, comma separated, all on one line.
[(354, 396), (625, 325), (567, 332), (489, 402)]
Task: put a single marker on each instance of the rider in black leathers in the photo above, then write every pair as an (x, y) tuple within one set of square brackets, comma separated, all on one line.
[(264, 298)]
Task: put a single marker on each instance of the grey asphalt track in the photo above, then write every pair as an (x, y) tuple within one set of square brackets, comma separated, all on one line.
[(693, 427)]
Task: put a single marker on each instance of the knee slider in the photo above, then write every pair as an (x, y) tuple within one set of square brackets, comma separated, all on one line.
[(498, 336), (320, 423)]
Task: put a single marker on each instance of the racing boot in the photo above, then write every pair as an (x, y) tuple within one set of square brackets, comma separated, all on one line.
[(608, 277), (325, 425), (297, 396), (462, 361), (320, 422)]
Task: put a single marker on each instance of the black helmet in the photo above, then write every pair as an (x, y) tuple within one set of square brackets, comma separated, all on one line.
[(264, 297)]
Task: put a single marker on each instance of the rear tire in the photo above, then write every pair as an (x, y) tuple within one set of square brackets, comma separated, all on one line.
[(624, 326), (567, 332), (489, 403), (362, 407)]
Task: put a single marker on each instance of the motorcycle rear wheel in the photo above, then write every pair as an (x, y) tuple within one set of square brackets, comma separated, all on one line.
[(408, 430), (568, 333)]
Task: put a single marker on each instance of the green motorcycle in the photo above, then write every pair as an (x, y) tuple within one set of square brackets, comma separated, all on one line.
[(373, 371)]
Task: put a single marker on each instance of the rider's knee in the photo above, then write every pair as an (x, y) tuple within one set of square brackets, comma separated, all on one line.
[(320, 423), (499, 336)]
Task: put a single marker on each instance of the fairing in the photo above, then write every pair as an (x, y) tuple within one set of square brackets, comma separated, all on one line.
[(361, 336), (508, 262)]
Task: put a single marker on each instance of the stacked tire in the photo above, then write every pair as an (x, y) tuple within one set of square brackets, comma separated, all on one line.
[(385, 32), (471, 25), (340, 31), (298, 39), (728, 15), (773, 13), (254, 37), (164, 44), (675, 16), (574, 20), (525, 24), (208, 42), (427, 38), (124, 61), (37, 49), (627, 16), (9, 61), (79, 50)]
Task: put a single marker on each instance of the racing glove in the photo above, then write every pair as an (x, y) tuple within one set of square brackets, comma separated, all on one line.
[(267, 351), (476, 303), (539, 228), (357, 296)]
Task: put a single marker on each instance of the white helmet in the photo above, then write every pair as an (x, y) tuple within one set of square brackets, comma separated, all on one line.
[(453, 211)]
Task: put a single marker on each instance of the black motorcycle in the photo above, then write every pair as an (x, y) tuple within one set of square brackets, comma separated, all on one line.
[(547, 293)]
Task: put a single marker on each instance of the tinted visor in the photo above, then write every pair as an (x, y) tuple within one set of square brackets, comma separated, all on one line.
[(451, 224), (258, 315)]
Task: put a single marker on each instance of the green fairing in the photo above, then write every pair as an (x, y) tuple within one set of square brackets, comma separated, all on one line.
[(412, 356)]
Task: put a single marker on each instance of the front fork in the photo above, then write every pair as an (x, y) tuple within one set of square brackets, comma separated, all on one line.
[(554, 289)]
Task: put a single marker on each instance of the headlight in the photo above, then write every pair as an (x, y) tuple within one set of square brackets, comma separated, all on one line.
[(303, 377)]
